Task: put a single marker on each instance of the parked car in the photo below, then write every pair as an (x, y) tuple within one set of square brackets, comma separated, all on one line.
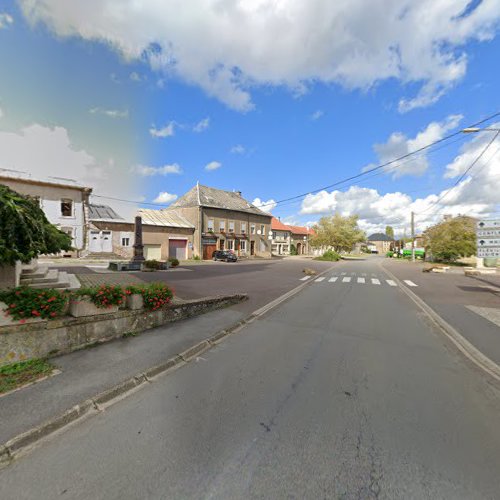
[(224, 255)]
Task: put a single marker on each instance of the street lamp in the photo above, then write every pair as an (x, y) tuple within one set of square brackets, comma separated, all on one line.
[(473, 130)]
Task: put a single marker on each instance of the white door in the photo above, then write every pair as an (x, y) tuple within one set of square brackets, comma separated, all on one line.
[(95, 241), (107, 241), (152, 252)]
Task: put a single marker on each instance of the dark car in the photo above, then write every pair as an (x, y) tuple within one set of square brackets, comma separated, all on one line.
[(224, 255)]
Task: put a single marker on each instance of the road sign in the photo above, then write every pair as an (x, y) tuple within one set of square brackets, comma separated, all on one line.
[(486, 252), (488, 224), (488, 233), (488, 242)]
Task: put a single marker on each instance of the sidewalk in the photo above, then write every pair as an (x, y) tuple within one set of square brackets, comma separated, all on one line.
[(471, 304), (90, 371)]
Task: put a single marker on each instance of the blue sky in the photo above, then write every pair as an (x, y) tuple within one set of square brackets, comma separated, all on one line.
[(276, 98)]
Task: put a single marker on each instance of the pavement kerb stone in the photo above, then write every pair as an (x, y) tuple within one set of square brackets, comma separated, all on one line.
[(463, 345), (23, 442)]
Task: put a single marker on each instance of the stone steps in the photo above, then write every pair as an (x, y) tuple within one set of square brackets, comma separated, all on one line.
[(42, 278)]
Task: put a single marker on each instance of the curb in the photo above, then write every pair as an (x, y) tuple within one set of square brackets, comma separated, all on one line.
[(463, 345), (23, 443)]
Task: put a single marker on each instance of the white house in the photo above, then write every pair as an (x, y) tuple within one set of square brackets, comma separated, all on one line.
[(64, 201)]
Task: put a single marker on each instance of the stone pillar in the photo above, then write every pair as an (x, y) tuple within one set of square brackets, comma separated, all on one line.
[(10, 275), (138, 246)]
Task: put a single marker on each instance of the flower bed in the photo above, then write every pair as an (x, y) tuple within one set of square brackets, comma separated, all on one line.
[(25, 303)]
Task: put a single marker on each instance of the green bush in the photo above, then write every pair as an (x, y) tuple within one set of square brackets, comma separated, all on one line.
[(293, 249), (155, 295), (173, 261), (104, 296), (152, 264), (24, 302), (196, 257), (330, 256), (389, 254)]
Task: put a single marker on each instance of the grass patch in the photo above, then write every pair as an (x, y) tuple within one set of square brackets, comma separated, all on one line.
[(18, 374)]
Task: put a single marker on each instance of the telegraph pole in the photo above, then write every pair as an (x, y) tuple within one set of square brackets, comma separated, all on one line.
[(413, 236)]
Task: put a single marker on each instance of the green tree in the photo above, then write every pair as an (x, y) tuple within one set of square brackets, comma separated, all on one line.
[(389, 231), (340, 233), (451, 239), (25, 232)]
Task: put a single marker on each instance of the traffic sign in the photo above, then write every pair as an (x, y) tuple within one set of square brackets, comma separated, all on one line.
[(488, 242), (488, 224), (488, 233), (491, 252)]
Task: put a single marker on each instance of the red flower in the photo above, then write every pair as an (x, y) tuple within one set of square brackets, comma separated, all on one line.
[(35, 313), (22, 321), (52, 314), (51, 299)]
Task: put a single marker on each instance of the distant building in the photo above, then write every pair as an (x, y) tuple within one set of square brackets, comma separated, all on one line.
[(165, 234), (300, 239), (64, 201), (281, 238), (379, 243), (224, 220)]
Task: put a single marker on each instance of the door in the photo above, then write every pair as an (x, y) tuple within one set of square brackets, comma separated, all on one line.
[(106, 241), (95, 241), (177, 249), (252, 248), (152, 252), (208, 251)]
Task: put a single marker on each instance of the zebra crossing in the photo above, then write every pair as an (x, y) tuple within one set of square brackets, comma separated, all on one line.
[(364, 279)]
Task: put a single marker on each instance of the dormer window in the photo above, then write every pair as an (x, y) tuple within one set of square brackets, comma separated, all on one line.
[(66, 207)]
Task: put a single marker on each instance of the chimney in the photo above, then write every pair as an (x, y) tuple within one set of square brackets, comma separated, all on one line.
[(238, 193)]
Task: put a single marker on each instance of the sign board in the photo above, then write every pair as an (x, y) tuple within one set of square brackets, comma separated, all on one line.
[(491, 252), (488, 239)]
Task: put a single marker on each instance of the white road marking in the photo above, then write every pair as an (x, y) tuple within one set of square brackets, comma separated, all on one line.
[(361, 280), (305, 278), (347, 279), (375, 281), (390, 282), (319, 280), (334, 279), (410, 283)]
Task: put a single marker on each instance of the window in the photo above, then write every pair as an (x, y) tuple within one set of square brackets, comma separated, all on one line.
[(243, 245), (67, 208), (252, 229), (231, 226), (243, 227), (125, 242), (222, 226), (221, 245), (262, 229), (230, 244), (274, 235), (210, 225)]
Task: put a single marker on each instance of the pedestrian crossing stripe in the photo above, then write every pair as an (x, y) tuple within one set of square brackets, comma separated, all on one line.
[(375, 281), (333, 279), (305, 278), (391, 283), (347, 279), (361, 280), (319, 280), (410, 283)]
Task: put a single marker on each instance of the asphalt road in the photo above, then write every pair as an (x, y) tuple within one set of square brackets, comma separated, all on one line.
[(344, 391)]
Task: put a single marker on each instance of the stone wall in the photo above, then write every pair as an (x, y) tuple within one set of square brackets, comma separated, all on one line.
[(49, 338)]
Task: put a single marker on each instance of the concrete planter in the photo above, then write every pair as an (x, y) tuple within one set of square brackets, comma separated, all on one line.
[(135, 302), (84, 307)]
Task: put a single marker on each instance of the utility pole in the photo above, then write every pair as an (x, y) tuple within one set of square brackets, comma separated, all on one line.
[(413, 236)]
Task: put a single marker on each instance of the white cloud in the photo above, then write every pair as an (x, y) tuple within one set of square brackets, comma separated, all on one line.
[(213, 165), (228, 47), (267, 206), (41, 152), (111, 113), (165, 198), (399, 145), (202, 125), (317, 115), (135, 77), (5, 20), (147, 171), (238, 149), (166, 131)]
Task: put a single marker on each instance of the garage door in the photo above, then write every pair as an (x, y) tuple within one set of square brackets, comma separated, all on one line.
[(177, 249), (152, 252)]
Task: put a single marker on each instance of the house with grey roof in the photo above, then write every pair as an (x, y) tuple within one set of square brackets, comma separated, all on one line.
[(164, 234), (379, 243), (224, 220)]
